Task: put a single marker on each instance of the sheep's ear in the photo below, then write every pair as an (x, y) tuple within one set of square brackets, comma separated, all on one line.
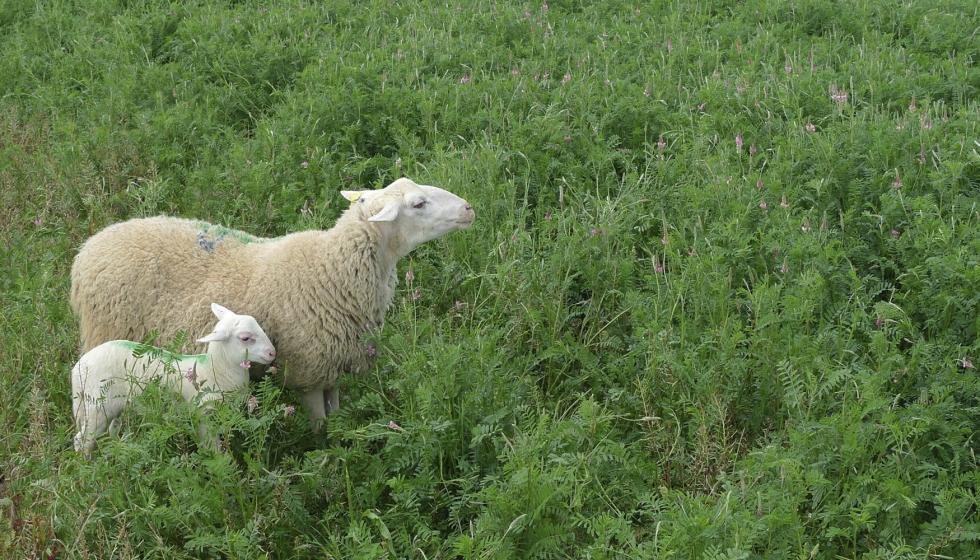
[(216, 336), (352, 195), (220, 312), (387, 214)]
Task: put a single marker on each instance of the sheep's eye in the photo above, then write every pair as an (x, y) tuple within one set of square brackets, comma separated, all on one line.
[(245, 338), (419, 205)]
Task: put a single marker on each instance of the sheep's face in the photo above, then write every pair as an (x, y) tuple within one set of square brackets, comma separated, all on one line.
[(417, 213)]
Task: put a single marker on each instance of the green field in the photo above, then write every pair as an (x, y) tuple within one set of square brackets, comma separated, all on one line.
[(720, 299)]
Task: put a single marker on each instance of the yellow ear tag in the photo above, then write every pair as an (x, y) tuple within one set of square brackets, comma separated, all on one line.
[(353, 198)]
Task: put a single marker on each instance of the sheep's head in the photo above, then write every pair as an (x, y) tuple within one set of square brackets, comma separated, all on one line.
[(417, 213), (240, 336)]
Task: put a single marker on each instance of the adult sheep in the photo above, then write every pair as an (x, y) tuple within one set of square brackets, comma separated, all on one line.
[(316, 293)]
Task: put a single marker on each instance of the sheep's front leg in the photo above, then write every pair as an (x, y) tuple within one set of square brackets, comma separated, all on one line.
[(314, 402), (331, 399)]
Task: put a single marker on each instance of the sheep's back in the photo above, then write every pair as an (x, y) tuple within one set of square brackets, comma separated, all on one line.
[(158, 274)]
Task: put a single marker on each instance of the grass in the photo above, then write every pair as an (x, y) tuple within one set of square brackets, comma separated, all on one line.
[(720, 300)]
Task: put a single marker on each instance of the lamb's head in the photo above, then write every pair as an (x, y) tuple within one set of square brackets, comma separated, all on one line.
[(414, 213), (237, 338)]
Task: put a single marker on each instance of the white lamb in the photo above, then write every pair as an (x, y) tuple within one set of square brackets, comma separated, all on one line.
[(107, 376), (317, 293)]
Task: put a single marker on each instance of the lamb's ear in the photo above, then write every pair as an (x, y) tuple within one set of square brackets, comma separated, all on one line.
[(387, 214), (220, 312), (216, 336), (352, 195)]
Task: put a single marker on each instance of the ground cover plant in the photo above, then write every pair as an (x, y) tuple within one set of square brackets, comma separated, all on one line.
[(720, 299)]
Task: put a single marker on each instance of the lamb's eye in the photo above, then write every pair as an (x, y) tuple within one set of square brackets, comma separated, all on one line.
[(245, 338), (419, 205)]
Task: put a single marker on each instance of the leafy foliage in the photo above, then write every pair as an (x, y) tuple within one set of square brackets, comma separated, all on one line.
[(720, 300)]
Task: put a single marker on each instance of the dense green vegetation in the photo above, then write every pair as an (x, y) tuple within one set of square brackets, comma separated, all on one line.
[(720, 300)]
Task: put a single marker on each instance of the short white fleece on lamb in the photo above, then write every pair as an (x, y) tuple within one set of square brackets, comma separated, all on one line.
[(107, 376)]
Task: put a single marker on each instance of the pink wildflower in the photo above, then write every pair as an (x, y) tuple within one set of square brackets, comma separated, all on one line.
[(393, 426), (289, 410), (305, 164), (896, 233), (784, 204), (912, 106), (898, 181), (409, 276), (544, 7), (806, 225), (459, 305), (464, 79), (785, 268), (810, 127), (657, 267), (191, 375), (271, 370), (593, 233), (738, 142), (246, 364), (547, 215), (253, 403), (416, 294), (758, 184), (566, 79), (371, 350), (966, 363), (880, 321), (661, 143), (763, 205), (37, 221), (665, 240)]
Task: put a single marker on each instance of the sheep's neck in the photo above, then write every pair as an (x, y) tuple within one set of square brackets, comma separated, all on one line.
[(371, 252)]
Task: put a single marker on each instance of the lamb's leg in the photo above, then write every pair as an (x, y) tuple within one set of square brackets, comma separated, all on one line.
[(205, 430), (91, 422), (84, 444), (331, 399), (314, 402)]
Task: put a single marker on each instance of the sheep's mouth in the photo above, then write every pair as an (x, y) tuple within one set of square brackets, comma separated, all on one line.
[(464, 223)]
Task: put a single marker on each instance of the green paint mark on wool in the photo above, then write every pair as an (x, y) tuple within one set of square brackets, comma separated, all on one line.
[(154, 352), (220, 232)]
